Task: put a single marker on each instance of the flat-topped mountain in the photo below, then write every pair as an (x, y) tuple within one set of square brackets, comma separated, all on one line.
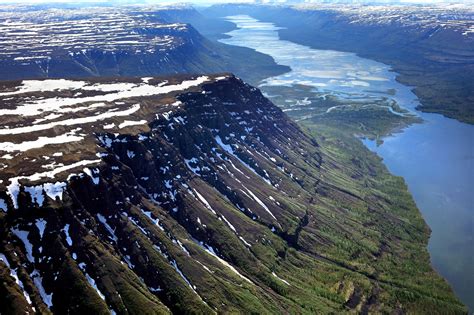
[(81, 42), (195, 194), (57, 42)]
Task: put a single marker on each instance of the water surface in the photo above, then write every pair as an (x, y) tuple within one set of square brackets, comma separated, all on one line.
[(436, 158)]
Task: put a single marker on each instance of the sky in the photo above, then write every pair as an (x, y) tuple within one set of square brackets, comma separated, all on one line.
[(206, 2)]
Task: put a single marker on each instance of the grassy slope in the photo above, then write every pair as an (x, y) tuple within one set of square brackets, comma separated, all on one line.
[(401, 261)]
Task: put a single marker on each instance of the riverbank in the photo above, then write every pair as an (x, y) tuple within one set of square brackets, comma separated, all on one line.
[(347, 77), (420, 44)]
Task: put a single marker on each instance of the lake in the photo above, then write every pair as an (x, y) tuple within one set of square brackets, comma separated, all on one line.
[(436, 158)]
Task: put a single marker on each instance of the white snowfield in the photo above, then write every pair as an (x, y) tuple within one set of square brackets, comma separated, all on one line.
[(39, 143), (49, 128)]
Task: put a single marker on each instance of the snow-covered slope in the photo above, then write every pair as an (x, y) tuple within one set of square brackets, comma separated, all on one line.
[(48, 125)]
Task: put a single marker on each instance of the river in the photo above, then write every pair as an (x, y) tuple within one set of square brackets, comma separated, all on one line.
[(436, 158)]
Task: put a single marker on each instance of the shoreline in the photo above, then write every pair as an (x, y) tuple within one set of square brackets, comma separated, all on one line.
[(394, 132)]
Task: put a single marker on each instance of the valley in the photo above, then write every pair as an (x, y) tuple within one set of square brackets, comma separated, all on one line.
[(431, 47), (168, 160), (320, 80)]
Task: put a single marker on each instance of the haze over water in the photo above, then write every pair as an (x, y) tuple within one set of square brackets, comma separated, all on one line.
[(435, 158)]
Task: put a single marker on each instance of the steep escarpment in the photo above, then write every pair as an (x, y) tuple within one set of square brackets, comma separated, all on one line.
[(206, 198)]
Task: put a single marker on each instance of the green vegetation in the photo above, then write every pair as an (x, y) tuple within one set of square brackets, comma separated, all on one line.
[(381, 244), (370, 248), (371, 119)]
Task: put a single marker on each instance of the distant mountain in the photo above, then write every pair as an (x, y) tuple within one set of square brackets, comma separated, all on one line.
[(124, 41), (195, 194)]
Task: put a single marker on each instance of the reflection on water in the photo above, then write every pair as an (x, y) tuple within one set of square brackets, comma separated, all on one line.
[(339, 73), (436, 158)]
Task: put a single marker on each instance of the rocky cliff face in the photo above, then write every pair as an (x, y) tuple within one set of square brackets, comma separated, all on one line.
[(190, 195)]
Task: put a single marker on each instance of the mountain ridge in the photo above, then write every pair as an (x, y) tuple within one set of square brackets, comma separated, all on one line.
[(218, 204)]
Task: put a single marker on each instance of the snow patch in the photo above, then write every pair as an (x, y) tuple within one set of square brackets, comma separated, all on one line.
[(212, 252), (41, 225), (14, 275), (36, 194), (55, 190), (23, 236), (52, 190), (91, 174), (94, 285), (196, 169), (127, 123), (204, 201), (68, 238), (284, 281), (107, 226), (39, 143), (70, 122), (38, 281), (109, 126), (260, 202), (3, 205), (13, 190), (228, 149), (46, 86)]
